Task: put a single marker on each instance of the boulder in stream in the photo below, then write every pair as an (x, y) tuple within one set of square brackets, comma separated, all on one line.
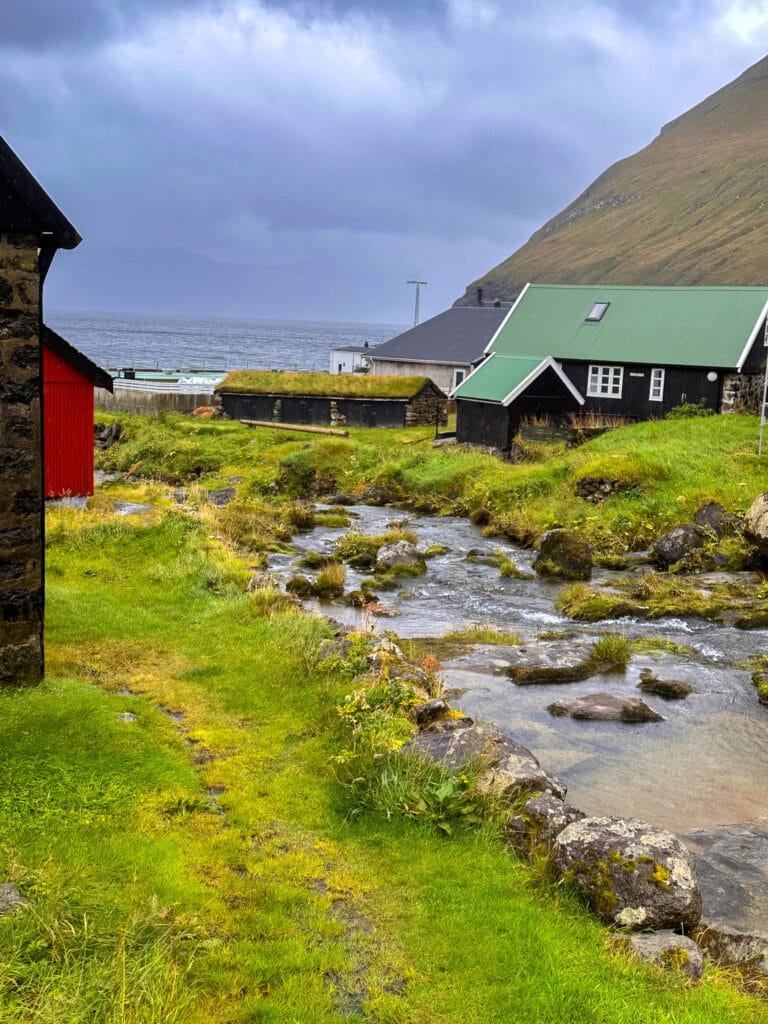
[(511, 769), (390, 556), (564, 555), (633, 875), (605, 707), (732, 867), (669, 689)]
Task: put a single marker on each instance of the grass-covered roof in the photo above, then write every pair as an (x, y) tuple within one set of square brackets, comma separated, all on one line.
[(321, 385)]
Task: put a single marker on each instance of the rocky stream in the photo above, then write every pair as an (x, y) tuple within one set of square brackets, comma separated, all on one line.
[(698, 770)]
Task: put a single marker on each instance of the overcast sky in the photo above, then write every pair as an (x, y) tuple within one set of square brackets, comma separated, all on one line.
[(303, 159)]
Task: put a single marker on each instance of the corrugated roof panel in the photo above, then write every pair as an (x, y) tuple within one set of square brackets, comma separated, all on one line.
[(668, 326)]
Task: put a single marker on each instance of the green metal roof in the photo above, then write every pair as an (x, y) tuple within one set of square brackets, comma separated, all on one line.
[(660, 326), (503, 378)]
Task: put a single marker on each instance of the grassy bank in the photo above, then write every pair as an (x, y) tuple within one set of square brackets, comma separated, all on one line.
[(172, 813), (668, 469)]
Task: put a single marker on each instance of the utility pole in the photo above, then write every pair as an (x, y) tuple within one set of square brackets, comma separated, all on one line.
[(418, 294), (765, 390)]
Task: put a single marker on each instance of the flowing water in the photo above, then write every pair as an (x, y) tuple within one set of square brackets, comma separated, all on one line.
[(704, 765)]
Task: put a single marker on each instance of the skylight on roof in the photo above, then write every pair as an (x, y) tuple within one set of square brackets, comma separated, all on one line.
[(597, 312)]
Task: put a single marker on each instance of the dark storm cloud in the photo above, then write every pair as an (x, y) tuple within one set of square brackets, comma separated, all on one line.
[(41, 24), (369, 141)]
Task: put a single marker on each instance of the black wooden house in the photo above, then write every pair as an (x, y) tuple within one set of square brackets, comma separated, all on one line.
[(627, 352)]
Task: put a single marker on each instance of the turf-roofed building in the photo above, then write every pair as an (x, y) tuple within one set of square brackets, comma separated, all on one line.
[(324, 399), (631, 352)]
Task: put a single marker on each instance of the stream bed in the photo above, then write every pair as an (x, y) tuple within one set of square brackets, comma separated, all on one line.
[(701, 772)]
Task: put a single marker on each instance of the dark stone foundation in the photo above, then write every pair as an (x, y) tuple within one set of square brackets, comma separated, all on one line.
[(21, 474)]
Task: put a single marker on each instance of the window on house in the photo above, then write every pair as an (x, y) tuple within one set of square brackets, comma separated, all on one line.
[(605, 381), (597, 312), (458, 376), (657, 386)]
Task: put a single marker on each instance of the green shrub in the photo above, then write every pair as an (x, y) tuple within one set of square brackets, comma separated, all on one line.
[(690, 410)]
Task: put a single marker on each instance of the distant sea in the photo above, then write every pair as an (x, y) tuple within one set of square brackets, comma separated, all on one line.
[(211, 343)]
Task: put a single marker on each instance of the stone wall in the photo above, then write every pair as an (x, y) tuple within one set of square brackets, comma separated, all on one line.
[(742, 392), (21, 477), (426, 409)]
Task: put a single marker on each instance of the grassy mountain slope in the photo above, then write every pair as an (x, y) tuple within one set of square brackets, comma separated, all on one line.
[(690, 208)]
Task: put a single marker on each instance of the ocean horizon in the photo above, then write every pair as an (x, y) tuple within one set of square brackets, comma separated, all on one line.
[(173, 341)]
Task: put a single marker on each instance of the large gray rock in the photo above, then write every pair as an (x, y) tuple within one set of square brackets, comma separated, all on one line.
[(564, 555), (633, 875), (756, 523), (605, 707), (539, 820), (512, 770), (667, 949), (678, 542), (732, 868), (400, 553)]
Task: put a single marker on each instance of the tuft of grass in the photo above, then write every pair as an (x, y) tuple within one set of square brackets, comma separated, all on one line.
[(330, 581), (360, 549), (483, 633), (614, 649)]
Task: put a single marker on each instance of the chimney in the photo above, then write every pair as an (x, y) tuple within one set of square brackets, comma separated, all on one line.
[(479, 296)]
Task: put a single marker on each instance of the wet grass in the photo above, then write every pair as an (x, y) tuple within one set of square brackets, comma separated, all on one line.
[(196, 862), (670, 467)]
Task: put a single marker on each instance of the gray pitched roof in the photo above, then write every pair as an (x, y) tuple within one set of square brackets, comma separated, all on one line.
[(457, 336)]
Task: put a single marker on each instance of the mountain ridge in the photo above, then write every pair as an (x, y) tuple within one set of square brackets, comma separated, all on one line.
[(689, 208)]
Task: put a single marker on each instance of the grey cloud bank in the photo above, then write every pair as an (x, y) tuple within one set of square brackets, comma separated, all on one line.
[(303, 159)]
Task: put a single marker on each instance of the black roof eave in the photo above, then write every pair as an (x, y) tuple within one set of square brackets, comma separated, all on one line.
[(76, 359), (54, 228)]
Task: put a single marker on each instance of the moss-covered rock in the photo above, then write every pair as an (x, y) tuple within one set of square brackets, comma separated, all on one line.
[(632, 874), (564, 555)]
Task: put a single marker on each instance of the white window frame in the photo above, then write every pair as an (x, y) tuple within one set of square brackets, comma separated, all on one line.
[(656, 390), (604, 381), (456, 379)]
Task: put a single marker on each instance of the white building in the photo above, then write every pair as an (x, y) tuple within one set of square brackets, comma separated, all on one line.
[(350, 357)]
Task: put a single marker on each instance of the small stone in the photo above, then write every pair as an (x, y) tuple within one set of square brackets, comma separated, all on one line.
[(430, 711), (715, 518), (605, 707), (540, 819), (668, 949), (756, 523), (222, 496), (669, 689), (675, 544), (10, 898)]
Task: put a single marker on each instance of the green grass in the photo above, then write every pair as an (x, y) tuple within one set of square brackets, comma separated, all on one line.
[(209, 870), (673, 468)]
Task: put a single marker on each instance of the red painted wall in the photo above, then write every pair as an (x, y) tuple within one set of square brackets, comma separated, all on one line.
[(67, 427)]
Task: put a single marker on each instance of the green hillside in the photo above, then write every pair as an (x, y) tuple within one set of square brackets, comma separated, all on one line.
[(690, 208)]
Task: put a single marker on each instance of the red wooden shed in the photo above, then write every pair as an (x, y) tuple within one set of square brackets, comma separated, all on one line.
[(69, 378)]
